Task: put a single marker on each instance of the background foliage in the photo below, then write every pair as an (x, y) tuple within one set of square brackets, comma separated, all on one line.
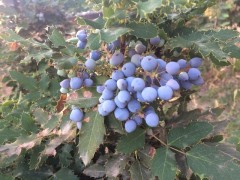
[(36, 136)]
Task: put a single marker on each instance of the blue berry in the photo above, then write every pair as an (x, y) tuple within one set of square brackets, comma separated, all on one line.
[(111, 84), (128, 69), (173, 84), (121, 114), (194, 73), (195, 62), (124, 96), (149, 94), (130, 126), (122, 84), (138, 84), (183, 76), (117, 59), (107, 94), (161, 64), (76, 115), (95, 55), (76, 83), (119, 104), (81, 44), (65, 83), (100, 89), (108, 106), (117, 74), (165, 93), (152, 119), (140, 48), (90, 64), (149, 63), (88, 82), (101, 111), (198, 81), (182, 63), (136, 59), (134, 106), (172, 68), (186, 84), (155, 41), (131, 53)]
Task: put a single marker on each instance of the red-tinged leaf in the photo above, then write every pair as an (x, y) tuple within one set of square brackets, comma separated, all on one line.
[(61, 102)]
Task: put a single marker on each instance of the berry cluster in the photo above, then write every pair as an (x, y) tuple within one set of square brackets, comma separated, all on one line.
[(82, 80), (134, 84), (142, 81), (82, 39)]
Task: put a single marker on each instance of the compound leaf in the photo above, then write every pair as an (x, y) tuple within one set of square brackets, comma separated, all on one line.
[(164, 164), (143, 30), (147, 7), (57, 38), (63, 173), (91, 136), (139, 172), (183, 137), (132, 141), (27, 82), (111, 34), (210, 162)]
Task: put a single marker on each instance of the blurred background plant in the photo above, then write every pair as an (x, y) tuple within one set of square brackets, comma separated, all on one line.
[(33, 62)]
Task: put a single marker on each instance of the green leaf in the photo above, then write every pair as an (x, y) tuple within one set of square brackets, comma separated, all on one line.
[(36, 158), (139, 172), (143, 30), (11, 36), (210, 162), (57, 38), (204, 42), (111, 34), (40, 116), (8, 134), (115, 165), (96, 24), (67, 63), (6, 177), (108, 12), (44, 82), (38, 56), (91, 136), (65, 156), (28, 124), (28, 83), (232, 50), (95, 170), (84, 98), (164, 164), (131, 141), (183, 137), (145, 157), (94, 42), (63, 173), (147, 7), (225, 34)]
